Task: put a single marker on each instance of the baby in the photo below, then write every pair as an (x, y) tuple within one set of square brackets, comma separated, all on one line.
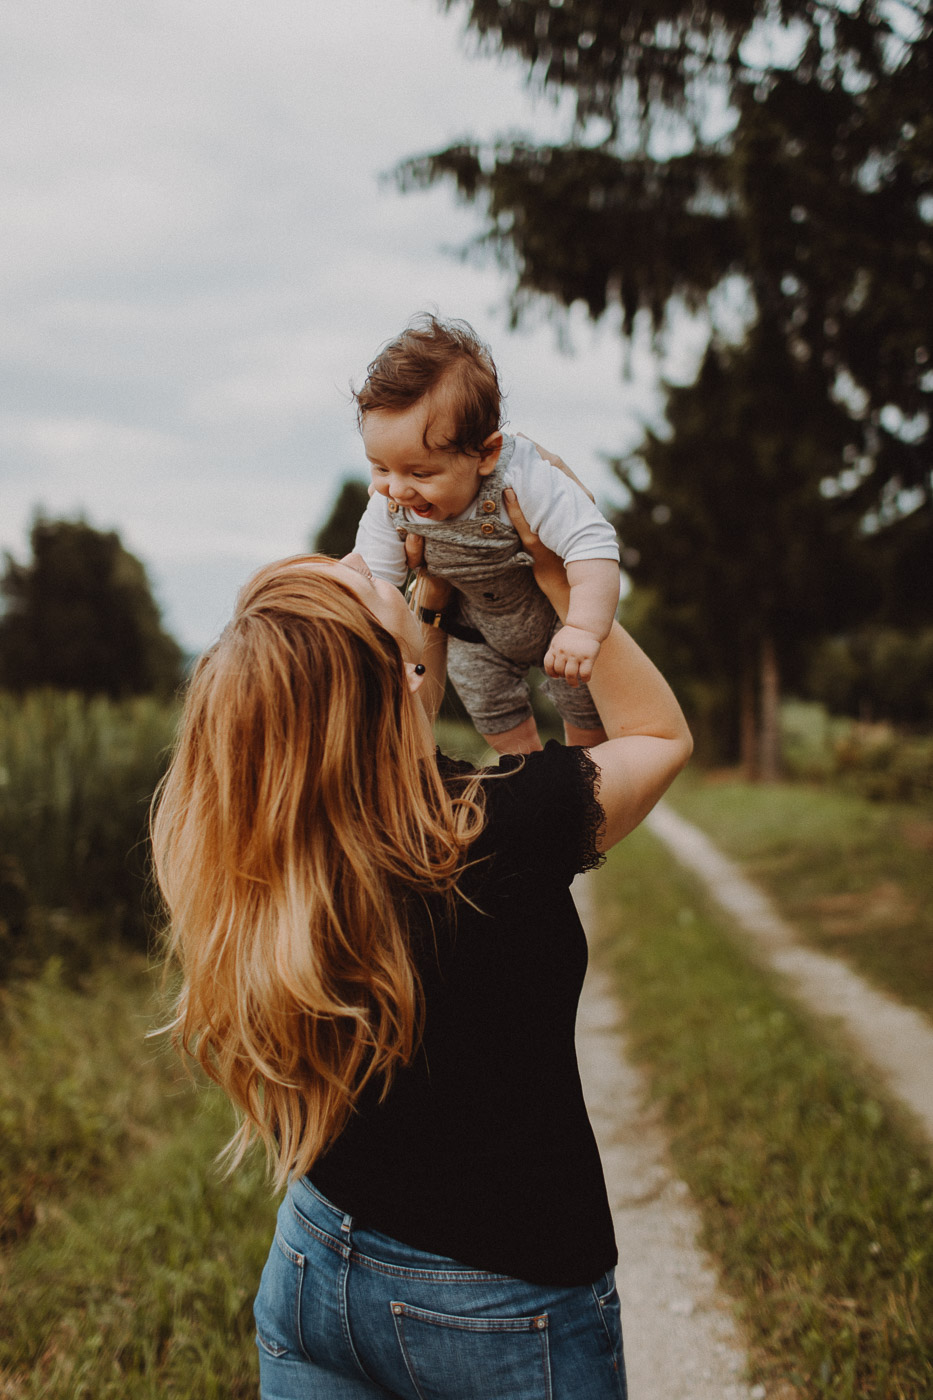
[(429, 415)]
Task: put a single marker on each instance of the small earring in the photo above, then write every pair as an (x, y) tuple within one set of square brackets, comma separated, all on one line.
[(420, 670)]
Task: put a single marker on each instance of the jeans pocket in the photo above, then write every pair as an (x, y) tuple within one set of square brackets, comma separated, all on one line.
[(277, 1309), (476, 1358)]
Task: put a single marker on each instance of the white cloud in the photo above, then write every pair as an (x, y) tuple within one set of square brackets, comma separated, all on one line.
[(197, 256)]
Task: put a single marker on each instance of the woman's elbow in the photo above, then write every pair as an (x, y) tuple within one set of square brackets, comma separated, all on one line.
[(686, 744), (682, 747)]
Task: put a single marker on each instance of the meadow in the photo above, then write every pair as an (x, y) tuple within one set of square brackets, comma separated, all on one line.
[(128, 1263), (76, 777)]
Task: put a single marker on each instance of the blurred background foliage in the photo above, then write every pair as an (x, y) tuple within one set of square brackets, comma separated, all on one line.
[(76, 776), (87, 679), (80, 615), (771, 166)]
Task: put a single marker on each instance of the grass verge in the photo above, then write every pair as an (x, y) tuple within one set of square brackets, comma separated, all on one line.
[(130, 1268), (814, 1196), (81, 1089), (853, 875)]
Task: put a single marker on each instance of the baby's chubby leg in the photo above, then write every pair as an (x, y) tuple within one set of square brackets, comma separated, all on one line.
[(495, 694), (582, 727)]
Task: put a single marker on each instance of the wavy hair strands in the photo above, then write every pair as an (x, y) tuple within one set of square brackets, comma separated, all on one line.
[(297, 820)]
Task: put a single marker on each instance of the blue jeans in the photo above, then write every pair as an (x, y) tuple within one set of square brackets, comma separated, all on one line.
[(351, 1314)]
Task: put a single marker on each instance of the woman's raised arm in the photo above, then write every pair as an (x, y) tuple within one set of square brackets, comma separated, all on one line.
[(433, 594), (648, 740)]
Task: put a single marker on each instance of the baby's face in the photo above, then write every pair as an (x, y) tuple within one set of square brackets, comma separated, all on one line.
[(432, 482)]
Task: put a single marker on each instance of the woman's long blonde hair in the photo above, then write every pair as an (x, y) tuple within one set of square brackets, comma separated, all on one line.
[(297, 825)]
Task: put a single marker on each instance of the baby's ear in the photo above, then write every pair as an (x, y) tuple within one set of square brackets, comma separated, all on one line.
[(489, 453)]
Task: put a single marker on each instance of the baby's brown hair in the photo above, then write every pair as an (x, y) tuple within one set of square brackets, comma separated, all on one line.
[(432, 355)]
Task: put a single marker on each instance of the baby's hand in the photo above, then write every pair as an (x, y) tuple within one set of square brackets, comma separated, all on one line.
[(571, 655)]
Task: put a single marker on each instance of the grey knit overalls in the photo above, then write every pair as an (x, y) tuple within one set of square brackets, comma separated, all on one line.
[(495, 594)]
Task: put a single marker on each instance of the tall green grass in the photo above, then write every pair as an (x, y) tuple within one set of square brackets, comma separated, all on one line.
[(81, 1089), (127, 1265), (76, 777), (815, 1195)]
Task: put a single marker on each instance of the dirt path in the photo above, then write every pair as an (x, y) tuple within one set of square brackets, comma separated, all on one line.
[(681, 1342), (896, 1039)]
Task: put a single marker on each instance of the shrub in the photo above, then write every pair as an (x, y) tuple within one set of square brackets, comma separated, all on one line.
[(76, 777), (879, 763)]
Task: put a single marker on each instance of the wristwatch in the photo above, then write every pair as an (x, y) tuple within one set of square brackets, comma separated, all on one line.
[(439, 617), (432, 617)]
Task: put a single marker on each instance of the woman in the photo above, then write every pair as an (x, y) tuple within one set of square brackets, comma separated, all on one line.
[(381, 964)]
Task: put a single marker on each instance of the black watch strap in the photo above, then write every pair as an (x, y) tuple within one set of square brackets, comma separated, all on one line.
[(432, 617)]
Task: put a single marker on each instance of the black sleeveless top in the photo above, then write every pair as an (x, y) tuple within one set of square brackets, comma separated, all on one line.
[(482, 1150)]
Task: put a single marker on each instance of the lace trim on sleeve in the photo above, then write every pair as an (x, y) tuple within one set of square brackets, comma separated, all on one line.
[(453, 767), (594, 818)]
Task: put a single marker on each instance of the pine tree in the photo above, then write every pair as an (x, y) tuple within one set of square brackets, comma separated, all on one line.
[(789, 147), (745, 558)]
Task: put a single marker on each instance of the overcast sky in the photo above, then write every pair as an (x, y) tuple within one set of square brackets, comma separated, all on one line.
[(197, 255)]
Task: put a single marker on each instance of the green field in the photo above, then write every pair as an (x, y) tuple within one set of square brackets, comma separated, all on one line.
[(76, 777)]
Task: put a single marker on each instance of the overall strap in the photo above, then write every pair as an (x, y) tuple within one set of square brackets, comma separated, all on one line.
[(494, 484)]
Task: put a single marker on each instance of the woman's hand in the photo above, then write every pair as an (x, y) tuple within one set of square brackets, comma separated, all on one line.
[(559, 463), (648, 740), (427, 591), (434, 594), (549, 571)]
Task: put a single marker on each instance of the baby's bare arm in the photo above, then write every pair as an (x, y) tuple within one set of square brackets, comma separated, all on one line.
[(594, 598), (594, 595)]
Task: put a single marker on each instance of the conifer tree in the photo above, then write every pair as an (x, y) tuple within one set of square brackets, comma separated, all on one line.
[(745, 558), (790, 147), (786, 150)]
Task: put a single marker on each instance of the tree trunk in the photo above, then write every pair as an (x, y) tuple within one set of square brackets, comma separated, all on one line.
[(769, 748), (748, 722)]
